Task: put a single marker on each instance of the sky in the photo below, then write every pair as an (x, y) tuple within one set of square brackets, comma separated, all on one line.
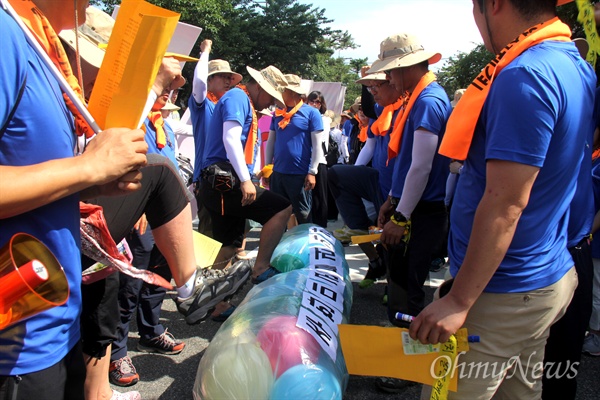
[(444, 26)]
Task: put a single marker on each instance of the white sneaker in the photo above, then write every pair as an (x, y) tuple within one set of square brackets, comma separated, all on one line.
[(133, 395)]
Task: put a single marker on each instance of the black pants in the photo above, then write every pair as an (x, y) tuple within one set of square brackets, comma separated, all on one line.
[(408, 268), (62, 381), (565, 342), (319, 197), (162, 197)]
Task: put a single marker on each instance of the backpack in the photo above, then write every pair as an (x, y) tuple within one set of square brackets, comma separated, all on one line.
[(333, 153)]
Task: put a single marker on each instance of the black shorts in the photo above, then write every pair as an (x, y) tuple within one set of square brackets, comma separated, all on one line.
[(228, 215)]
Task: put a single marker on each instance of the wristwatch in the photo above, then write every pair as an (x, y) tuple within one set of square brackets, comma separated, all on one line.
[(399, 217)]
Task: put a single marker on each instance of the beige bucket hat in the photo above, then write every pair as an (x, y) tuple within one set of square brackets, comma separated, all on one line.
[(378, 76), (270, 79), (294, 83), (170, 107), (402, 50), (457, 95), (357, 103), (222, 67)]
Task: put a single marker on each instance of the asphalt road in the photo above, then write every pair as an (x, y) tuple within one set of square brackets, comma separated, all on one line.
[(172, 377)]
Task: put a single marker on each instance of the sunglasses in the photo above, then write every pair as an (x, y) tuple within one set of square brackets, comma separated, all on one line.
[(314, 102)]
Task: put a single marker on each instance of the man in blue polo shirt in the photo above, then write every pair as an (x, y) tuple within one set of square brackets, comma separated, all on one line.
[(293, 148)]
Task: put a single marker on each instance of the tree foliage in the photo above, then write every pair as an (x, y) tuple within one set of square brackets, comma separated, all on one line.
[(460, 70)]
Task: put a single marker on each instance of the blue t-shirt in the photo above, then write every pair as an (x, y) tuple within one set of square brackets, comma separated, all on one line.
[(539, 113), (40, 130), (380, 155), (169, 149), (233, 106), (201, 115), (293, 145), (430, 111)]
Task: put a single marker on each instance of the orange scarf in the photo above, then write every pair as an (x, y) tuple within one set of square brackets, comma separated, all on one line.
[(362, 135), (461, 125), (382, 125), (253, 133), (396, 138), (46, 36), (287, 115), (211, 96), (156, 119)]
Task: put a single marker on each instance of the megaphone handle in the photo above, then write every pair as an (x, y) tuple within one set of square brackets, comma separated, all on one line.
[(13, 284)]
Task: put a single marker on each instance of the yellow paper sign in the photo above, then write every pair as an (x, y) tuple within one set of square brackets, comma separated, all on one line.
[(386, 357), (135, 50), (206, 250)]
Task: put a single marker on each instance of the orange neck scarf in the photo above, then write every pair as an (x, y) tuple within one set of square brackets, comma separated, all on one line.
[(362, 135), (461, 125), (253, 133), (46, 36), (156, 119), (382, 125), (287, 115), (396, 138), (211, 96)]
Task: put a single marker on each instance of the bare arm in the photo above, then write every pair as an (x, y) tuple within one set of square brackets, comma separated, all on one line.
[(107, 167), (506, 195)]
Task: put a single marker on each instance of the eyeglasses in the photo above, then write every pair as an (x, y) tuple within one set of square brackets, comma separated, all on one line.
[(314, 102), (375, 87)]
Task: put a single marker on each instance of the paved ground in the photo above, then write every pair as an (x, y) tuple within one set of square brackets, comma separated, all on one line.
[(172, 377)]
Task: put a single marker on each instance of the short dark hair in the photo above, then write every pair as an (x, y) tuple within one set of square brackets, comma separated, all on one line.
[(316, 95), (529, 8)]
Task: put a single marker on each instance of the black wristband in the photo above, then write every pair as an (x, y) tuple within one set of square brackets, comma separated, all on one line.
[(399, 217)]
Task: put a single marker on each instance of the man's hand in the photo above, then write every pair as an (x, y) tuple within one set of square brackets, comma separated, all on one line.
[(169, 76), (141, 225), (248, 192), (392, 234), (309, 182), (113, 159), (385, 212), (439, 320), (363, 70), (206, 46)]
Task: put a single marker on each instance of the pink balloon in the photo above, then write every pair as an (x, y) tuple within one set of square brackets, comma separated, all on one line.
[(287, 345)]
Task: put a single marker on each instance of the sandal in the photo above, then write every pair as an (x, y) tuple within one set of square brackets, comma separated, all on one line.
[(269, 272)]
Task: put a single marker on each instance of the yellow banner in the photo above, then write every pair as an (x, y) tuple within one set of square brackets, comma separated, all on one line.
[(394, 355), (586, 17), (135, 50)]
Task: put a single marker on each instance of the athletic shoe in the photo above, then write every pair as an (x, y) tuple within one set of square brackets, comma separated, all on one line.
[(163, 344), (345, 234), (133, 395), (122, 373), (591, 344), (393, 385), (437, 264), (211, 288), (376, 271)]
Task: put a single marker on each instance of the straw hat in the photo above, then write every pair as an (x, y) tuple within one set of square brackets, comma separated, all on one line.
[(170, 107), (222, 67), (294, 83), (354, 107), (270, 79), (378, 76), (402, 50), (457, 95), (346, 114)]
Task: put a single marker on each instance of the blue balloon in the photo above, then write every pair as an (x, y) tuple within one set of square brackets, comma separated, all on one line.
[(306, 381)]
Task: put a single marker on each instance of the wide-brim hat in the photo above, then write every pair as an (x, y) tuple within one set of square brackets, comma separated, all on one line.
[(346, 114), (402, 50), (294, 83), (222, 67), (355, 107), (170, 107), (270, 79), (378, 76), (457, 95), (89, 50)]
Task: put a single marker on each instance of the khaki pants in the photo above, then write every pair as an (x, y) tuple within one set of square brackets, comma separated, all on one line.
[(513, 327)]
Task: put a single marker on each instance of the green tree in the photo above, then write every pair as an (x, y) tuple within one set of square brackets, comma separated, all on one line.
[(460, 70)]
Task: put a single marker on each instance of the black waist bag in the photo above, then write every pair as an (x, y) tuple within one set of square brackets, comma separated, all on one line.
[(221, 176)]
